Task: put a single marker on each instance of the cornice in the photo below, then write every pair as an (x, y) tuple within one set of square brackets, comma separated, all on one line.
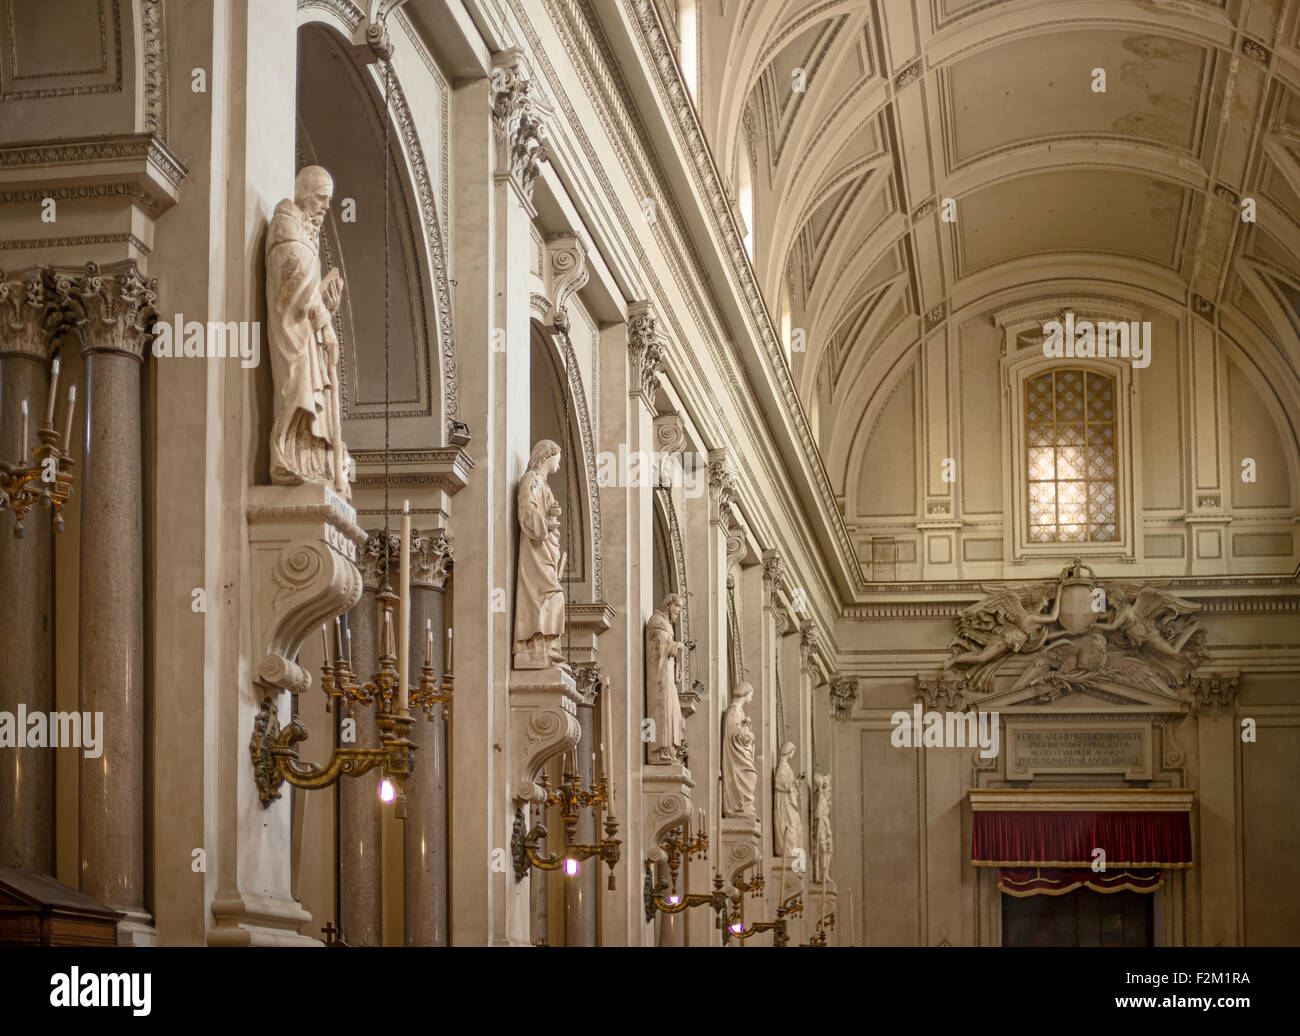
[(138, 166)]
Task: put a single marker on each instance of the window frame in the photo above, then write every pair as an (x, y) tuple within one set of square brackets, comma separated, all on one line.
[(1027, 363)]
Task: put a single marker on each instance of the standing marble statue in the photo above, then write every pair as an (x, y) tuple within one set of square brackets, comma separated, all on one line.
[(785, 805), (306, 437), (663, 652), (821, 827), (739, 774), (539, 597)]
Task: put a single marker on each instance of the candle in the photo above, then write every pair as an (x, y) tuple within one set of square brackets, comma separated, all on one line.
[(67, 428), (54, 390), (22, 457), (338, 637), (428, 643), (325, 640), (446, 662), (404, 613), (349, 638)]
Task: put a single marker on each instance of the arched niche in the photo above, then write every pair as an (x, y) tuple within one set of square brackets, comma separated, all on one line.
[(341, 126), (555, 415)]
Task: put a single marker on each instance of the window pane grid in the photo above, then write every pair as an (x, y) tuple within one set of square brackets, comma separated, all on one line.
[(1071, 465)]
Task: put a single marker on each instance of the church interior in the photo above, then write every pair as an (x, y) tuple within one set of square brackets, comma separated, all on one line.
[(602, 473)]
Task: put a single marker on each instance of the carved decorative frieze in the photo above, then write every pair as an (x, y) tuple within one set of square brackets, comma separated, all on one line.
[(645, 349), (109, 308), (520, 116), (1080, 633), (843, 692)]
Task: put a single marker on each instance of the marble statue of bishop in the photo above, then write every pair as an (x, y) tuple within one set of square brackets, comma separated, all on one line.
[(663, 652), (307, 436)]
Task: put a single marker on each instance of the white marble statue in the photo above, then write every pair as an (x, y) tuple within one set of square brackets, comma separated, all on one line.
[(539, 597), (663, 652), (786, 817), (306, 437), (821, 827), (739, 774)]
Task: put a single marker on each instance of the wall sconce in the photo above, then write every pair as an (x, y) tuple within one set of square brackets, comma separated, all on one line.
[(735, 927), (679, 847), (820, 939), (275, 751), (49, 477), (572, 798)]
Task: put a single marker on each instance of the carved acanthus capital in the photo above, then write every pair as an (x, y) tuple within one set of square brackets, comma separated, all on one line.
[(670, 434), (777, 580), (109, 308), (942, 695), (724, 484), (377, 556), (28, 317), (519, 115), (568, 266), (431, 558), (645, 352), (591, 682), (807, 644), (844, 692), (1214, 692)]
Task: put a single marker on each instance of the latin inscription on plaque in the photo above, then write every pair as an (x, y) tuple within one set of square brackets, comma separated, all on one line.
[(1056, 749)]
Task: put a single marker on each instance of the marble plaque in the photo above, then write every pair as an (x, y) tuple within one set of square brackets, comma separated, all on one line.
[(1035, 748)]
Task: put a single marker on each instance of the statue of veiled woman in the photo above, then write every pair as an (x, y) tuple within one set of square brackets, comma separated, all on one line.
[(786, 819), (739, 774), (539, 597)]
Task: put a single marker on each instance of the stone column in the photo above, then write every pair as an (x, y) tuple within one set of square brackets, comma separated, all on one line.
[(424, 831), (583, 889), (111, 309), (26, 573), (360, 869)]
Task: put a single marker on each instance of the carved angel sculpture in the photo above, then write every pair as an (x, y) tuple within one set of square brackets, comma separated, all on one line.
[(1159, 625), (1011, 620), (1084, 661)]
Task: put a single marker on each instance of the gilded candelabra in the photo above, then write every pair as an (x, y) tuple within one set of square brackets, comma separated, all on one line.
[(572, 798), (663, 896), (826, 923), (275, 751), (735, 928), (49, 476)]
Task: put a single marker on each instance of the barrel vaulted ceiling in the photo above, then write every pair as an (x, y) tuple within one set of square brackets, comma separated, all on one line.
[(909, 102)]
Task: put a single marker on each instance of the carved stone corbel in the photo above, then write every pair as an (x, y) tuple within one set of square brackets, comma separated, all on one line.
[(665, 803), (303, 543), (844, 692), (543, 724), (741, 844), (645, 353), (519, 115), (568, 271)]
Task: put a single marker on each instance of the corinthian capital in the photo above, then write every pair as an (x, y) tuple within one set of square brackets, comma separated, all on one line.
[(27, 316), (520, 115), (645, 352), (723, 482), (844, 692), (431, 559), (376, 556), (110, 308)]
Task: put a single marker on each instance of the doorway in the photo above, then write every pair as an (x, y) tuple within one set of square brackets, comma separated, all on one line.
[(1079, 918)]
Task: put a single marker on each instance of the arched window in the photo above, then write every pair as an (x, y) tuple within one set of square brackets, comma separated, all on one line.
[(688, 35), (1070, 457), (745, 195)]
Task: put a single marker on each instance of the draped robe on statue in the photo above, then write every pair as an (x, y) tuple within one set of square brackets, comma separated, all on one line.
[(785, 810), (300, 364), (739, 774), (661, 682), (539, 598)]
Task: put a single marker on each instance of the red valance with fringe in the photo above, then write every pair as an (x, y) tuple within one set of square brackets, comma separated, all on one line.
[(1056, 881), (1139, 839)]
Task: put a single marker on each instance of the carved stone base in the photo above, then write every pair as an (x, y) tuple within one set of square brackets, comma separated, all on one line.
[(665, 802), (244, 919), (740, 845), (543, 723)]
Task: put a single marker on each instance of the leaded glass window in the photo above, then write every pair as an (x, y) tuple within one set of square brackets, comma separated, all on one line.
[(1071, 454)]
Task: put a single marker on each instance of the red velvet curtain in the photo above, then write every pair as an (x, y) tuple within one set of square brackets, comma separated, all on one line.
[(1067, 839), (1055, 881)]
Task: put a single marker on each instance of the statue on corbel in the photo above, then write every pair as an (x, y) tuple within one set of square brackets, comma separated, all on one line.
[(663, 663), (307, 434), (739, 774), (539, 596)]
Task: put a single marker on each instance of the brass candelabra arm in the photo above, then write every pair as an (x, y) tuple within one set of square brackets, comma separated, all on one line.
[(49, 478), (792, 906), (276, 762), (430, 695), (736, 929), (527, 852), (756, 885), (675, 903)]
